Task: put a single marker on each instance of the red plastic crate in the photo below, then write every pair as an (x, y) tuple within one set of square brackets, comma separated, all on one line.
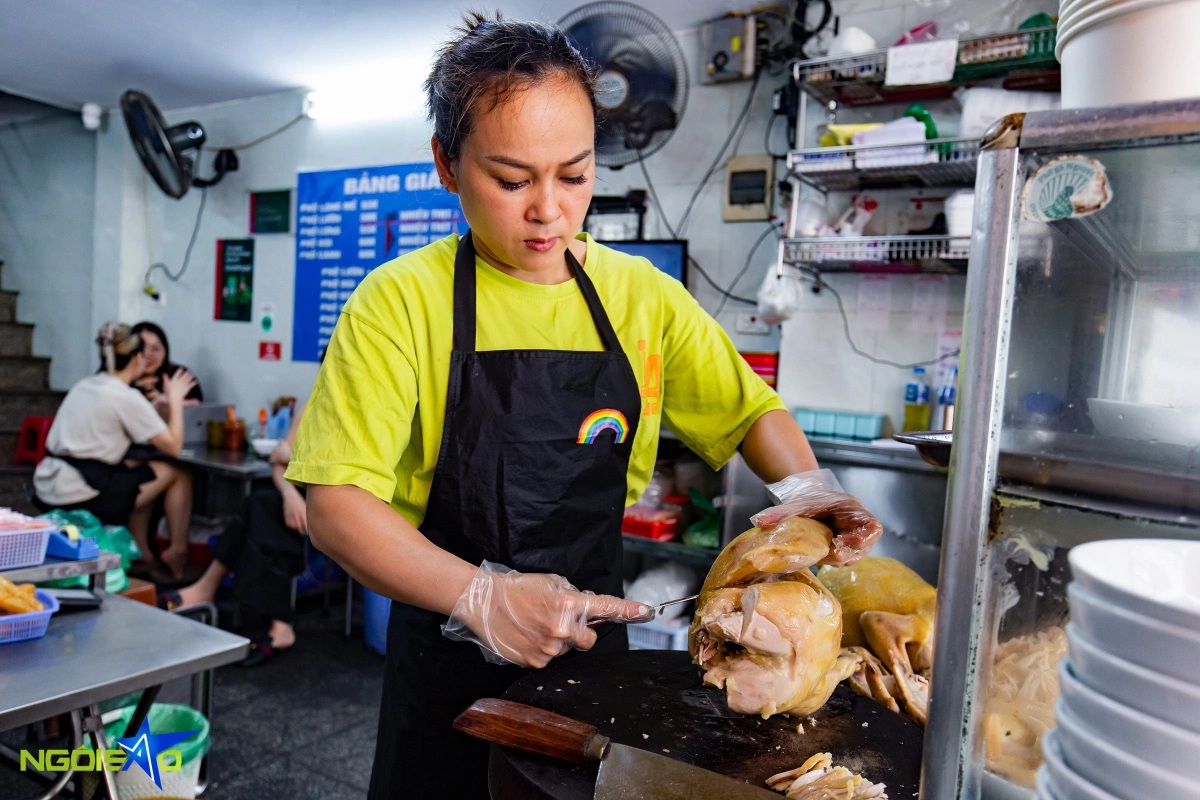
[(663, 530)]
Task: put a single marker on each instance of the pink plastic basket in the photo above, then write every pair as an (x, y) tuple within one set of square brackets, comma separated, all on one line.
[(25, 547), (22, 627)]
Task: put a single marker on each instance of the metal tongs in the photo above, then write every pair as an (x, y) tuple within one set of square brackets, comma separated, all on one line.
[(658, 609)]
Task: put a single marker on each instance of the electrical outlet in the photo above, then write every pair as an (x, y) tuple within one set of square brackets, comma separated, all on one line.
[(753, 324)]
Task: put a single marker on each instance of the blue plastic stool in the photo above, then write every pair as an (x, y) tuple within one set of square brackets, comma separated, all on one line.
[(376, 609)]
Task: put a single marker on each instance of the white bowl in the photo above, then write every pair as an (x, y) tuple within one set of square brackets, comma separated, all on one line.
[(1062, 780), (1158, 695), (1172, 748), (263, 447), (1113, 769), (1159, 578), (1153, 644)]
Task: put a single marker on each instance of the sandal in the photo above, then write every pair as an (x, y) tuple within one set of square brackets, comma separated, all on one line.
[(169, 600), (260, 652)]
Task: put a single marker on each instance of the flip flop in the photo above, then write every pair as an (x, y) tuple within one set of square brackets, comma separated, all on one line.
[(169, 600)]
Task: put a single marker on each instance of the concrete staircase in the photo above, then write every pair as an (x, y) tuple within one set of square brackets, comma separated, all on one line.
[(24, 391)]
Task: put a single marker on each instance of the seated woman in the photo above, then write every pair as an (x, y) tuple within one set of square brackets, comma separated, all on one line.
[(264, 548), (158, 366), (86, 464)]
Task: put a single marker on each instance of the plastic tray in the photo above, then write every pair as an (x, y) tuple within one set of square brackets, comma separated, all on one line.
[(22, 627), (25, 547), (656, 635)]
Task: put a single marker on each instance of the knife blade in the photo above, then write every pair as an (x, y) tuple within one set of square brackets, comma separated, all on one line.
[(626, 773)]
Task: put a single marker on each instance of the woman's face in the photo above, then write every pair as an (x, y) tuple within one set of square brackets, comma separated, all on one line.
[(524, 176), (153, 352)]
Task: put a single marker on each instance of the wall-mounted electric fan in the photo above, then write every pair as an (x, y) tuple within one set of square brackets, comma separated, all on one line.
[(163, 150), (643, 84)]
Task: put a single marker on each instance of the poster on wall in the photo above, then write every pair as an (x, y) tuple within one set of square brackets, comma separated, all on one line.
[(350, 221), (270, 212), (235, 279)]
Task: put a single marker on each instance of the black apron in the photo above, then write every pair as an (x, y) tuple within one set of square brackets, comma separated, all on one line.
[(531, 474)]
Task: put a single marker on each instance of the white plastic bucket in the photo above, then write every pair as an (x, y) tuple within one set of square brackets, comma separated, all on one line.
[(1128, 51)]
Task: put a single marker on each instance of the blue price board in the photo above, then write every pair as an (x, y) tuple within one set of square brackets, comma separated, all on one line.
[(350, 221)]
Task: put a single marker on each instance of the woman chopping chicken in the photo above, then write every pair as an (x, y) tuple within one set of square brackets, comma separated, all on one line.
[(489, 404)]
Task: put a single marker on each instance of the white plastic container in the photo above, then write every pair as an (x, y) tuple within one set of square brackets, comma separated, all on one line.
[(1128, 51), (904, 130), (1154, 693), (1158, 578), (960, 210), (1153, 741)]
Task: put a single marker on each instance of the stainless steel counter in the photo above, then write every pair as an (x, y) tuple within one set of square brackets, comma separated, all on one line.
[(90, 656)]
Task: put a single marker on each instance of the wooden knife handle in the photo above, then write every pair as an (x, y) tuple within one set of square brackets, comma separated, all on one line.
[(532, 729)]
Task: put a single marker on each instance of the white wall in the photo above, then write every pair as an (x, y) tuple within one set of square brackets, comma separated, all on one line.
[(47, 183), (817, 367)]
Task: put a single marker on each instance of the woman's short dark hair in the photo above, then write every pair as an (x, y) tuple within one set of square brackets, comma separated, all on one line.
[(162, 337), (490, 59)]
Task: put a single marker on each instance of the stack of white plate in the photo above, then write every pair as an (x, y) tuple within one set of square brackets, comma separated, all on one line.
[(1128, 720)]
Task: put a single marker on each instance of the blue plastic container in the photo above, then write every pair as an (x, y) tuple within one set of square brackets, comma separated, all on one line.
[(376, 610), (31, 625), (839, 424)]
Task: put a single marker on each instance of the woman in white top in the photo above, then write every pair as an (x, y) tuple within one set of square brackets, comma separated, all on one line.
[(101, 417)]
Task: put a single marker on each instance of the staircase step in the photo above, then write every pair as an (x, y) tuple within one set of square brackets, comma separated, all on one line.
[(24, 372), (16, 339), (16, 404), (12, 488), (8, 306)]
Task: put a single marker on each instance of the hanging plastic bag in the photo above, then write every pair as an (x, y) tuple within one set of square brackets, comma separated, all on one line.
[(778, 296)]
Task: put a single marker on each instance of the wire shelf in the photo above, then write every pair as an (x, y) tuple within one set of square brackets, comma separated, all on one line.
[(879, 253), (936, 162), (859, 79)]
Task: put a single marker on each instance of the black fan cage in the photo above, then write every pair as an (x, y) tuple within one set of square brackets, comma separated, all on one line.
[(628, 40)]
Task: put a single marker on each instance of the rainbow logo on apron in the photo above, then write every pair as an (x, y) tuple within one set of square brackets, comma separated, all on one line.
[(606, 419)]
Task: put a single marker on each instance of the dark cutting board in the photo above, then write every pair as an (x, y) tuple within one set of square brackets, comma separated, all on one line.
[(654, 700)]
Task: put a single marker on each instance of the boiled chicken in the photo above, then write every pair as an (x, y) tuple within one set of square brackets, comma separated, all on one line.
[(889, 609), (819, 779), (766, 630)]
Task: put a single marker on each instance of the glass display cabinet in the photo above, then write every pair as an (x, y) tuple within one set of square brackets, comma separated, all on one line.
[(1079, 411)]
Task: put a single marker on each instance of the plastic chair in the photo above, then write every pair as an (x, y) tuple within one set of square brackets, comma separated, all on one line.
[(31, 441)]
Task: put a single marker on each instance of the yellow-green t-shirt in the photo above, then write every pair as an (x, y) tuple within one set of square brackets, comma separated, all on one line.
[(377, 409)]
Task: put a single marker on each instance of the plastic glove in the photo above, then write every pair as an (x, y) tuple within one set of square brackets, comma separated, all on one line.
[(818, 495), (529, 618)]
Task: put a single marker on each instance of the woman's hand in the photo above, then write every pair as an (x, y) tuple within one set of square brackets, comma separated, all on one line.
[(529, 619), (148, 385), (281, 455), (177, 386), (295, 512), (818, 495)]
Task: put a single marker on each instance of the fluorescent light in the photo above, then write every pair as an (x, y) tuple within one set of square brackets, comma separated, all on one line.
[(378, 93)]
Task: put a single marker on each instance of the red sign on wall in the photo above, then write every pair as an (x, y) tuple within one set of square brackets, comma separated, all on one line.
[(270, 351)]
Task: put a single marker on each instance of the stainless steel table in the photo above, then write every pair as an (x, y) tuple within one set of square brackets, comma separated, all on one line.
[(90, 656), (243, 466), (56, 568)]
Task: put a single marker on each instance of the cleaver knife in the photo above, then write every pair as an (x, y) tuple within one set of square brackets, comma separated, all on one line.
[(626, 773)]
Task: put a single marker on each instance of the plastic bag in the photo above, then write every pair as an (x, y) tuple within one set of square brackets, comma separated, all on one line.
[(668, 581), (778, 296), (508, 613), (818, 495)]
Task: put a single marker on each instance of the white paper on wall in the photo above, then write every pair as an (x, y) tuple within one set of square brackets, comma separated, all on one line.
[(874, 303), (929, 303), (949, 341), (927, 62)]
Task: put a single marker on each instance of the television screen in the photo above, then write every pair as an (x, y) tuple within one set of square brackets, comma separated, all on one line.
[(669, 255)]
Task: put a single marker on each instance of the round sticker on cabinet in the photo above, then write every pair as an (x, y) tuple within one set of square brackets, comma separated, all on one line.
[(1065, 187)]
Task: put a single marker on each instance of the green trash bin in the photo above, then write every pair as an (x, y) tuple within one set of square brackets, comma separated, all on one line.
[(134, 783)]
